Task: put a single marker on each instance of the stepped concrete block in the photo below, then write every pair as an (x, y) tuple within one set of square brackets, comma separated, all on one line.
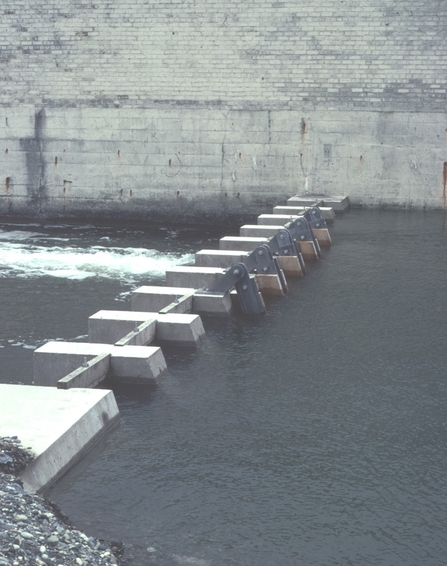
[(212, 304), (298, 200), (109, 326), (59, 426), (256, 231), (239, 243), (129, 364), (327, 212), (219, 258), (154, 299), (197, 277)]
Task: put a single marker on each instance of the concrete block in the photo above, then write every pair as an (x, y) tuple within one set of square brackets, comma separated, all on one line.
[(219, 258), (298, 200), (327, 212), (291, 266), (184, 329), (196, 277), (129, 364), (154, 299), (339, 204), (212, 304), (308, 250), (59, 426), (255, 231), (276, 219), (269, 284), (109, 326), (89, 375), (241, 243), (322, 236)]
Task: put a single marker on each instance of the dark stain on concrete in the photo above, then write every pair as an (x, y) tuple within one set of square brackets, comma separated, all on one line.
[(36, 188)]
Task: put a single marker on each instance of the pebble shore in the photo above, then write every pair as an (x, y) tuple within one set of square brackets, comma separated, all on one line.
[(33, 531)]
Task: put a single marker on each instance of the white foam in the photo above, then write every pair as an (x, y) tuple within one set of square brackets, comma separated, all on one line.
[(70, 262)]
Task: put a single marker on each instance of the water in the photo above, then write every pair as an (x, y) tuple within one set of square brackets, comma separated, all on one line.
[(315, 435)]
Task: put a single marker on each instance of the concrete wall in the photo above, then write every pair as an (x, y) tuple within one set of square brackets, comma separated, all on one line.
[(147, 109)]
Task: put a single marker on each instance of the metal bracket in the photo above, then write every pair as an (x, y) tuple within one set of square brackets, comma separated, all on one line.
[(283, 244), (314, 217), (301, 231), (261, 261)]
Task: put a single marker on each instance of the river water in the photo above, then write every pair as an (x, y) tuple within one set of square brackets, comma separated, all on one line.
[(313, 435)]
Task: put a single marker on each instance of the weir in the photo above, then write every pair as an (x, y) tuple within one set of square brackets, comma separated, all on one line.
[(240, 274)]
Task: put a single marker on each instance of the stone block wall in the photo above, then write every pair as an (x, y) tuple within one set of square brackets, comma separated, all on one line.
[(201, 108)]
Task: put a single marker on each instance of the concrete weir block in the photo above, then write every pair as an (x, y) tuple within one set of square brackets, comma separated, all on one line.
[(241, 243), (59, 426), (197, 277), (154, 299), (110, 326), (339, 204), (129, 364), (303, 200), (327, 212), (219, 258), (257, 231), (214, 304)]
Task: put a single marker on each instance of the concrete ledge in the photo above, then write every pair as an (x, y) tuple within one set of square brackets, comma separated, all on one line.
[(59, 426), (154, 299), (276, 219), (327, 212), (197, 277), (241, 243), (307, 201), (129, 364), (212, 304), (256, 231), (87, 376), (108, 326), (219, 258)]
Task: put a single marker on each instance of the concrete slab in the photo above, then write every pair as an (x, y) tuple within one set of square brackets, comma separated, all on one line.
[(219, 258), (212, 304), (109, 326), (276, 219), (153, 299), (129, 364), (241, 243), (89, 375), (304, 200), (197, 277), (59, 426), (339, 204), (327, 212), (256, 231)]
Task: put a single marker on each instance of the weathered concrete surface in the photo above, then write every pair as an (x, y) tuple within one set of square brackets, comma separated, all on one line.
[(129, 364), (153, 299), (219, 258), (327, 212), (108, 327), (58, 426), (189, 163), (242, 243), (89, 375), (196, 277)]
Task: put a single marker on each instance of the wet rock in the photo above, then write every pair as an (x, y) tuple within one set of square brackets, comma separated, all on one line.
[(34, 531)]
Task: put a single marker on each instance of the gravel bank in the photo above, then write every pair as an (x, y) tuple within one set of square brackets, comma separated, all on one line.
[(33, 530)]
